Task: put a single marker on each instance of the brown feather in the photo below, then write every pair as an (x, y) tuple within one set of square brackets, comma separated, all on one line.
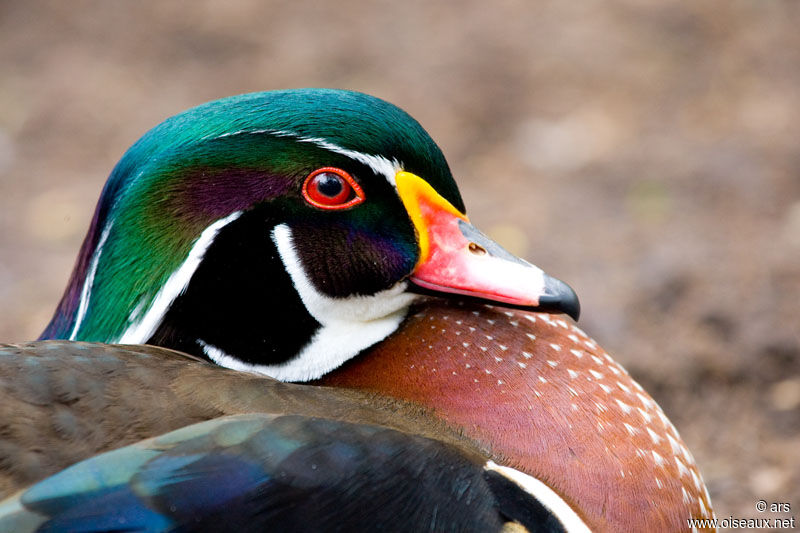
[(62, 402)]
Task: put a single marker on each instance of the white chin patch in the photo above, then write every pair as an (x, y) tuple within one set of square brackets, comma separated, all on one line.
[(348, 325)]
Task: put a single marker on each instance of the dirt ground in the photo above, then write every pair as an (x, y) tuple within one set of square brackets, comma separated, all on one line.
[(647, 153)]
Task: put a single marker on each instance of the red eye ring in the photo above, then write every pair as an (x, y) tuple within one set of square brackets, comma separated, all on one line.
[(315, 185)]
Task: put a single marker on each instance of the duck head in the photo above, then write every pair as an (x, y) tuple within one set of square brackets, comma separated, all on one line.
[(283, 233)]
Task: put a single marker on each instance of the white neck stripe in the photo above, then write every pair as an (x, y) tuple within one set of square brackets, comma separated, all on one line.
[(138, 332), (86, 291)]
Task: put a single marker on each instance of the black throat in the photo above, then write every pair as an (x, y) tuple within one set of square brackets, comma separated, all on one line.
[(240, 300)]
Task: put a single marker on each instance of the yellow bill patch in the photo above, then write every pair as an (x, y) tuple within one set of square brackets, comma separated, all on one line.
[(424, 206)]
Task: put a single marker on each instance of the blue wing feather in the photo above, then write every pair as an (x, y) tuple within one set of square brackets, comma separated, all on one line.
[(264, 472)]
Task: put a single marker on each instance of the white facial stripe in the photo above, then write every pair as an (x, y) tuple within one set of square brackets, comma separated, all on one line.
[(139, 332), (328, 310), (545, 495), (86, 291), (379, 164), (348, 325)]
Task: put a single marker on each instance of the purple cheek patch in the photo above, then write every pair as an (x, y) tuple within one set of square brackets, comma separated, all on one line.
[(214, 193)]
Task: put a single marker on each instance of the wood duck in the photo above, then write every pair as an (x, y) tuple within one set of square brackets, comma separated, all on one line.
[(281, 318)]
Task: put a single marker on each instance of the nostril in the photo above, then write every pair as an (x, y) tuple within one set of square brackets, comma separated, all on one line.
[(476, 249)]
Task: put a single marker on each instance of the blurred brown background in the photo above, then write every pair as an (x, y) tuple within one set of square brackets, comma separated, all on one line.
[(647, 153)]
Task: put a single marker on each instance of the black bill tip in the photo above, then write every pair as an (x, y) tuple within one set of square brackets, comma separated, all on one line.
[(559, 297)]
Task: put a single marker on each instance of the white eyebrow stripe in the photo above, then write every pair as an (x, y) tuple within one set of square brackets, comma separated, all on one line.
[(379, 164)]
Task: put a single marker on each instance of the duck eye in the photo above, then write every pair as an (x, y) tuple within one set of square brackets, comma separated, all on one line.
[(332, 188)]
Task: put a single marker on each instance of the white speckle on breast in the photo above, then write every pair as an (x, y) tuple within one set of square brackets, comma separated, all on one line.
[(682, 470), (696, 481), (647, 402), (630, 429), (624, 406), (657, 458), (653, 435)]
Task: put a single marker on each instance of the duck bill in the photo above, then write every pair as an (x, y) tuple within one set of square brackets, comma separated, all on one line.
[(456, 258)]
